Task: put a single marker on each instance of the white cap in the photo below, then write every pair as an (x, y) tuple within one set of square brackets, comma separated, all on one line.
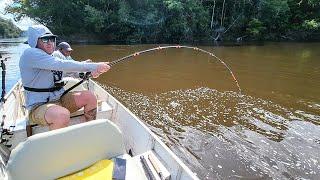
[(37, 31)]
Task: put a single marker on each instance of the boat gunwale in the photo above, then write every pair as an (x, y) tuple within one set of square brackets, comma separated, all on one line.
[(180, 169), (183, 167)]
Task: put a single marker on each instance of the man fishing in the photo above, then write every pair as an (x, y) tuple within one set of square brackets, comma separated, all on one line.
[(41, 75)]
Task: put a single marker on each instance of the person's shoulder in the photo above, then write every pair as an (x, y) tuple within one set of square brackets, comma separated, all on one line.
[(27, 52), (27, 55), (58, 54), (31, 51), (70, 58), (32, 54), (55, 53)]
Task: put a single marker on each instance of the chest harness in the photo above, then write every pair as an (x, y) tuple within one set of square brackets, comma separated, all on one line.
[(58, 83)]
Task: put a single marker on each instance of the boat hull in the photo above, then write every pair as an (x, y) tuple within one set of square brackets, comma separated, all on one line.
[(138, 138)]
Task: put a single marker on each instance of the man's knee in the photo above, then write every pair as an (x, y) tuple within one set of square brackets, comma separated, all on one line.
[(58, 115), (63, 118), (89, 96)]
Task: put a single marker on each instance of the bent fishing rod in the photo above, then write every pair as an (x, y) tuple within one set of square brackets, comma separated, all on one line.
[(177, 46), (112, 63)]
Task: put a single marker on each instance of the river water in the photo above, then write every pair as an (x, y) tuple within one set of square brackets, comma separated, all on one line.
[(189, 99)]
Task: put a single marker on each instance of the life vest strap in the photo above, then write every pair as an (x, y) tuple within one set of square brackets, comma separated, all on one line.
[(56, 88)]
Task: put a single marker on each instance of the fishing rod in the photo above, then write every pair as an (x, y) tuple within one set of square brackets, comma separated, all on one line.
[(112, 63)]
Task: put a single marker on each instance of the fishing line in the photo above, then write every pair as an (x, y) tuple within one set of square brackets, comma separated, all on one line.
[(112, 63)]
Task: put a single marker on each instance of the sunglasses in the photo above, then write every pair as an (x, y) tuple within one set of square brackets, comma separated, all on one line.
[(47, 39)]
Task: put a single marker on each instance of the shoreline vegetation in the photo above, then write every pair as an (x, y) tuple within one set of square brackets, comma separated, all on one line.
[(175, 21), (8, 29)]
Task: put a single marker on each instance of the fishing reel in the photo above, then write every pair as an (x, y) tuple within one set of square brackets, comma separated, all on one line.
[(86, 75)]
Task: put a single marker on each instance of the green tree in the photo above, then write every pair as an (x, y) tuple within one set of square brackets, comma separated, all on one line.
[(275, 15), (187, 21), (256, 29), (8, 29), (94, 19), (175, 21), (311, 25), (64, 17)]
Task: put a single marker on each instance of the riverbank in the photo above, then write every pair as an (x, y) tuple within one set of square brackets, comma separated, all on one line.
[(92, 39), (8, 29)]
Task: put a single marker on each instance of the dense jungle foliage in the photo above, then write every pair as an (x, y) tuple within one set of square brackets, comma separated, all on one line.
[(176, 21), (8, 29)]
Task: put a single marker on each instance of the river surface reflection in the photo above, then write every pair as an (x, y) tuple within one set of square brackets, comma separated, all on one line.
[(270, 131)]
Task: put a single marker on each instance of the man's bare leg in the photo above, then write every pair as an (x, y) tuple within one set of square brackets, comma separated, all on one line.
[(57, 117), (87, 100), (91, 114)]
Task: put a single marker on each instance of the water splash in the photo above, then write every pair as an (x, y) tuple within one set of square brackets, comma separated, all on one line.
[(230, 136)]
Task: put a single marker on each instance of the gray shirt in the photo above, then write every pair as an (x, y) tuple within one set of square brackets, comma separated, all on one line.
[(37, 69), (59, 55)]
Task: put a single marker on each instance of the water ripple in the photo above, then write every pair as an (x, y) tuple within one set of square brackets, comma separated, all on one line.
[(224, 135)]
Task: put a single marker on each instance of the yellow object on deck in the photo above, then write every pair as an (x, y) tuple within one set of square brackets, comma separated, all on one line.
[(100, 170)]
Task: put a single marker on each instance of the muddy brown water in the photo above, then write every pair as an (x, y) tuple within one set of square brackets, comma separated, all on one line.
[(189, 99)]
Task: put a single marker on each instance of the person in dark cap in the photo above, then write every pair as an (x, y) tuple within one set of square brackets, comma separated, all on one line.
[(41, 74), (65, 46), (63, 51)]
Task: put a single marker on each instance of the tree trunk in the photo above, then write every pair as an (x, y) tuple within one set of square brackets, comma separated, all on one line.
[(213, 8), (222, 13)]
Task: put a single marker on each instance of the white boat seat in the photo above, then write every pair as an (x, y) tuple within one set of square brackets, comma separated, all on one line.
[(59, 152), (103, 108)]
